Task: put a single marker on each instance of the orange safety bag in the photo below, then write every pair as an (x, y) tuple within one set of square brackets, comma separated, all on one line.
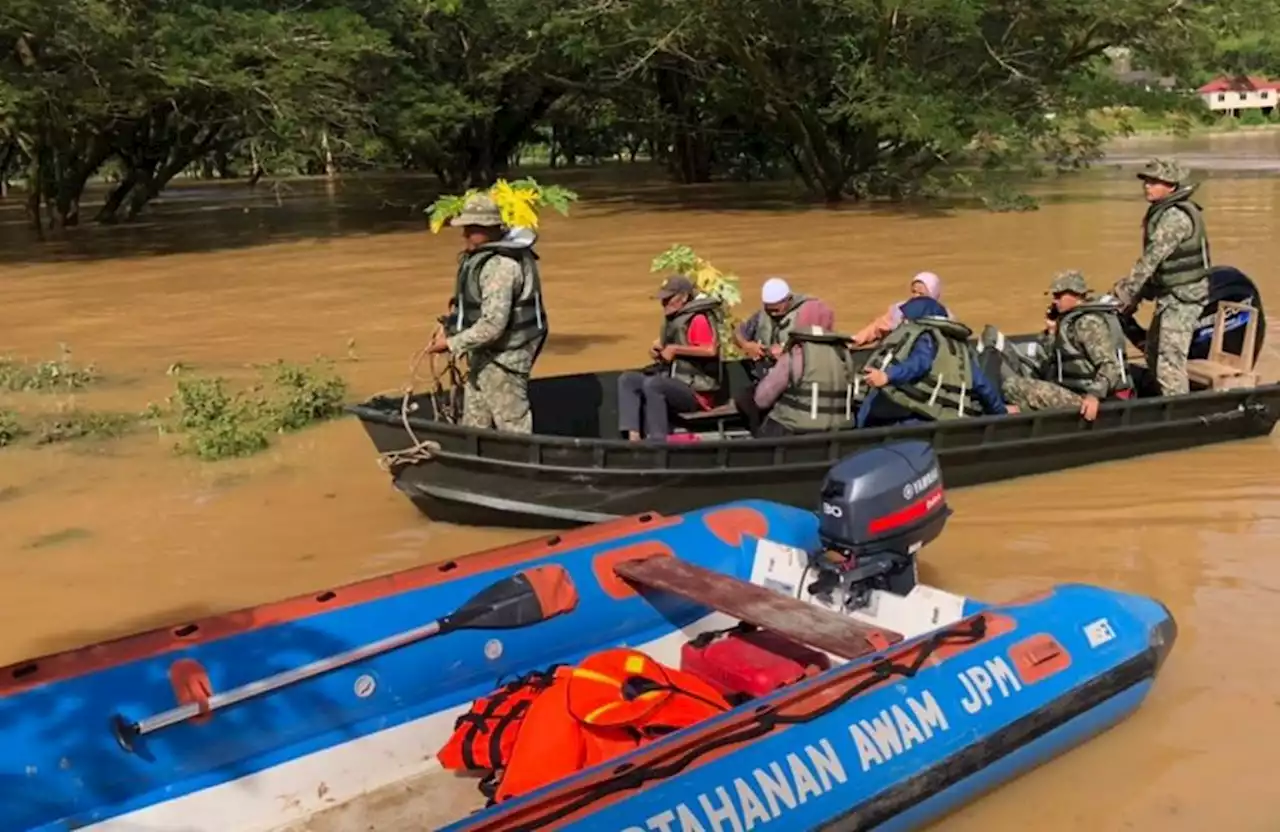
[(612, 703), (483, 738)]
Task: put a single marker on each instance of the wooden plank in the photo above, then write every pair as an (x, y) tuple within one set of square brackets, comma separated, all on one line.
[(786, 616), (1218, 376)]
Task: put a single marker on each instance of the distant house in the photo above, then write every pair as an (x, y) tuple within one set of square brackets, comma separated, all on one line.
[(1244, 92)]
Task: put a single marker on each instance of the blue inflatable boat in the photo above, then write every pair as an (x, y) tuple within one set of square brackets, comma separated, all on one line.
[(326, 712)]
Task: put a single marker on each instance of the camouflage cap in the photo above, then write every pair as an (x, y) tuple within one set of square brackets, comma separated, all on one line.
[(479, 210), (1071, 280), (1164, 170)]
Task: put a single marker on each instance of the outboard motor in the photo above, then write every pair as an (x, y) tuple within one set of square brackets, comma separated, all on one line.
[(1225, 283), (879, 507)]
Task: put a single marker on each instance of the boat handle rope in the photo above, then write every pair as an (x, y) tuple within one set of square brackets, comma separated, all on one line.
[(444, 400), (764, 723)]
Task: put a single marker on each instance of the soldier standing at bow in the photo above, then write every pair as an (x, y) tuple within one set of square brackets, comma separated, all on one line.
[(1173, 269), (497, 318)]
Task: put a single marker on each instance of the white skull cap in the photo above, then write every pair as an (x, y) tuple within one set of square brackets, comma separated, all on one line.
[(775, 290)]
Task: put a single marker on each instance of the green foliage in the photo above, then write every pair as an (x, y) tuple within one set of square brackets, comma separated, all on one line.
[(518, 201), (218, 424), (58, 374), (1003, 198), (11, 428), (723, 286), (83, 424), (853, 98), (305, 396), (221, 424)]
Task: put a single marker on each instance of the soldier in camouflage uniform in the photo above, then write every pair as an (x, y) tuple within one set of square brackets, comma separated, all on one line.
[(1084, 349), (1173, 269), (497, 319)]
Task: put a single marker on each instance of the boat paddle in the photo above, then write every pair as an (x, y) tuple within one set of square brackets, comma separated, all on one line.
[(518, 600)]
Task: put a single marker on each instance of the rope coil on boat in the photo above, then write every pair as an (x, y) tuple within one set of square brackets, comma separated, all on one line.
[(445, 401), (763, 723)]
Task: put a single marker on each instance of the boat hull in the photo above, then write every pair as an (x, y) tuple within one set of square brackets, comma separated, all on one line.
[(287, 758), (544, 481)]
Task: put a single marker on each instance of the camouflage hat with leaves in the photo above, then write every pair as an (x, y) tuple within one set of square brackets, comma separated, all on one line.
[(510, 204), (1164, 170), (479, 209)]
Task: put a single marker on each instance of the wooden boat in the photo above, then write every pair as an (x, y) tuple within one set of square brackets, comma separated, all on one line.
[(574, 470), (325, 712)]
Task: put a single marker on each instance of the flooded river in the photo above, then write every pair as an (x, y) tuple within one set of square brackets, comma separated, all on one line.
[(100, 540)]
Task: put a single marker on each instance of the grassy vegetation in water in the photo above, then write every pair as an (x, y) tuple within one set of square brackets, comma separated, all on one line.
[(11, 428), (219, 423), (54, 375), (215, 421)]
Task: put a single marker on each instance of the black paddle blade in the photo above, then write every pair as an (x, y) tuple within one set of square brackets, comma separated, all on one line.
[(516, 601)]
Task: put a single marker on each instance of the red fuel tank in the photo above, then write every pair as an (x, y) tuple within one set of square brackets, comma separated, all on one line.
[(750, 663)]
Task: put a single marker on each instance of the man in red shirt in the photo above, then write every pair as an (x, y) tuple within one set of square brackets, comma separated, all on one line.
[(686, 376)]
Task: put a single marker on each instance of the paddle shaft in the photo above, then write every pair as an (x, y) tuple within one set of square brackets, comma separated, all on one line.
[(288, 677)]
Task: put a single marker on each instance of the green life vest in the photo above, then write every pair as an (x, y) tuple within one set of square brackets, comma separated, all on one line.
[(946, 391), (1190, 261), (1069, 364), (774, 331), (528, 319), (702, 374), (822, 397)]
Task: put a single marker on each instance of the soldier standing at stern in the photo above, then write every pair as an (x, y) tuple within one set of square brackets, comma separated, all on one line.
[(1174, 269), (497, 318)]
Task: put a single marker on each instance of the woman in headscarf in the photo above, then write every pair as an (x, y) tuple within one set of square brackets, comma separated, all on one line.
[(923, 285), (808, 389), (926, 371)]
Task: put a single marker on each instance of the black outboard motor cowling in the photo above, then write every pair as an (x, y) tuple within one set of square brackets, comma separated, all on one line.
[(878, 508), (1225, 283)]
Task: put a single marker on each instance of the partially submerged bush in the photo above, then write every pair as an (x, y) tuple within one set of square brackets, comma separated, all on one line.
[(46, 376), (217, 424), (220, 424), (304, 396), (83, 424), (11, 428)]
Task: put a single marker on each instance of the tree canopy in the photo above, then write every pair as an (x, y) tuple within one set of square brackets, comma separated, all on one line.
[(854, 97)]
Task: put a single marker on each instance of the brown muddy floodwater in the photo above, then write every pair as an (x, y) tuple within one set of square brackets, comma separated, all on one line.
[(100, 540)]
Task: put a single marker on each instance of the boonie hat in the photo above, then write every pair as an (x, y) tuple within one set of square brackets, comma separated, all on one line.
[(1071, 280), (1167, 171), (479, 210)]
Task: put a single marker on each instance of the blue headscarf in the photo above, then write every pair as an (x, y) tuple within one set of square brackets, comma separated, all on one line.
[(922, 308)]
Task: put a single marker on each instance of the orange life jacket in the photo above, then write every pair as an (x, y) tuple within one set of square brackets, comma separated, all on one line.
[(612, 703), (483, 737)]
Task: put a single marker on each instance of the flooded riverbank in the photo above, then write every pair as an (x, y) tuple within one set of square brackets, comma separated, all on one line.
[(98, 540)]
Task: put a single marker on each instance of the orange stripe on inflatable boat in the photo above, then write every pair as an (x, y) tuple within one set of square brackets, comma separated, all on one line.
[(602, 565), (796, 702), (731, 525), (80, 661)]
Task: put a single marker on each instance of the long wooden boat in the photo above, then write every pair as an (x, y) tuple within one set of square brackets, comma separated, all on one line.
[(573, 469), (326, 712)]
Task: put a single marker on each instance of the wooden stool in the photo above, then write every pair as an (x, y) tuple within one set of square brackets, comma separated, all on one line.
[(1222, 370)]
